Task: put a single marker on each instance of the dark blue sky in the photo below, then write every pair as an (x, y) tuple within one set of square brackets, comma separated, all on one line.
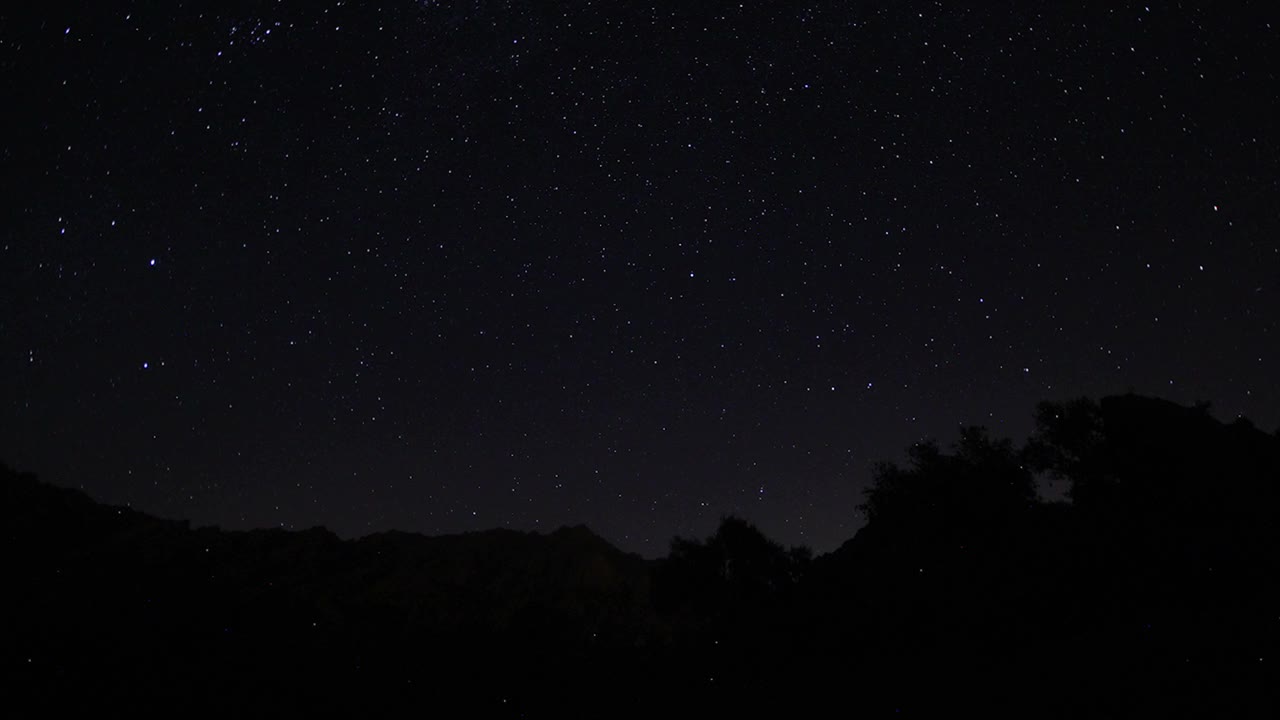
[(442, 266)]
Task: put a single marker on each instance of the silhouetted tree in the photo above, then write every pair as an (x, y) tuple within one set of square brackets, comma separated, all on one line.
[(982, 481), (1069, 444), (730, 579), (1137, 458)]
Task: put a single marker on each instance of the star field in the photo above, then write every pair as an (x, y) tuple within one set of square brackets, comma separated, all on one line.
[(444, 266)]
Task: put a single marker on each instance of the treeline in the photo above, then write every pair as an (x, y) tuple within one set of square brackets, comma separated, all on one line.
[(1154, 591)]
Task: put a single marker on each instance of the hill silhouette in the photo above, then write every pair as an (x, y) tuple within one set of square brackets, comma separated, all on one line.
[(1152, 592)]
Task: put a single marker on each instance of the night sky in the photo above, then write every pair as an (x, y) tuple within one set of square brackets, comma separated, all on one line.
[(445, 265)]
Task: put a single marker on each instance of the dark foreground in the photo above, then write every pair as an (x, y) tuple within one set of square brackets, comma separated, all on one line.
[(1154, 593)]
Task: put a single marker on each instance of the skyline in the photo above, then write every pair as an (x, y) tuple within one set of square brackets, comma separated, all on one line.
[(441, 267)]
